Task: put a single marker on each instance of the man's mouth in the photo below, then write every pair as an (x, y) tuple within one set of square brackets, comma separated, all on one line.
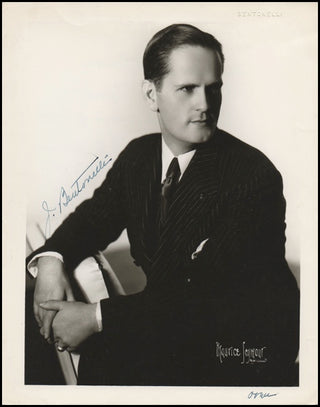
[(203, 122)]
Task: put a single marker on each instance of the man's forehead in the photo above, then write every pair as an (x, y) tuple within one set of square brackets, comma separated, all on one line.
[(191, 61)]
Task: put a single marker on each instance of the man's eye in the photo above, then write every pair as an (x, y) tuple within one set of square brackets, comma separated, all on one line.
[(187, 89)]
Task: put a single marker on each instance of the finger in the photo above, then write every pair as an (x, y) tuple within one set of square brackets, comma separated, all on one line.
[(38, 321), (36, 314), (47, 323), (52, 305), (49, 340), (69, 294), (42, 313)]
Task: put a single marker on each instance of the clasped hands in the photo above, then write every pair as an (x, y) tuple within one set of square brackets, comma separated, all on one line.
[(72, 322)]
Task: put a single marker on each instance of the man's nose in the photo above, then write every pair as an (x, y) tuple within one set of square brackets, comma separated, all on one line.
[(202, 102)]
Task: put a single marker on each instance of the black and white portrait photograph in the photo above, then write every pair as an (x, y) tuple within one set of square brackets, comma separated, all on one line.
[(160, 203)]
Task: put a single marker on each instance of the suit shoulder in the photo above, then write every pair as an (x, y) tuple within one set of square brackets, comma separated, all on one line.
[(138, 149), (242, 152), (146, 141), (142, 145)]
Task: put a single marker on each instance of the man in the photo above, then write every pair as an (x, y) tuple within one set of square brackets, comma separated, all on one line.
[(205, 215)]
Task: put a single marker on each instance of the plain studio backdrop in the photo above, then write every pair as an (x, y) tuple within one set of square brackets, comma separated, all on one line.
[(73, 75)]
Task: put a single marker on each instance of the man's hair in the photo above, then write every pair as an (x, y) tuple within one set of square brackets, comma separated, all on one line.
[(158, 50)]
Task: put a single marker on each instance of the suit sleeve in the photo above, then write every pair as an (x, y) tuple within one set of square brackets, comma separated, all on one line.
[(94, 224)]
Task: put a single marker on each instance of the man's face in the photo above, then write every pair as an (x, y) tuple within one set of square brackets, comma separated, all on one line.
[(189, 98)]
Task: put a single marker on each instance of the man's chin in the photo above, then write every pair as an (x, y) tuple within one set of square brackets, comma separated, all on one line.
[(204, 135)]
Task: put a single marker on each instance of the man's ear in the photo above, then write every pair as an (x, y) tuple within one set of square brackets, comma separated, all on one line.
[(150, 93)]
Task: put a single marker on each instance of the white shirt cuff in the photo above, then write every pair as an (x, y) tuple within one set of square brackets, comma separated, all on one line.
[(32, 266), (99, 316)]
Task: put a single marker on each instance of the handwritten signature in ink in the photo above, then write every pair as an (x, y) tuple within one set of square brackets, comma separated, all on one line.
[(254, 395), (66, 196)]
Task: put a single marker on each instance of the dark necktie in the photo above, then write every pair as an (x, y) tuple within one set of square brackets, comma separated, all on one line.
[(168, 188)]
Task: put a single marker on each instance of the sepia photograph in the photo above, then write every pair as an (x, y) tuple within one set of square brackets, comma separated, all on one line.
[(160, 202)]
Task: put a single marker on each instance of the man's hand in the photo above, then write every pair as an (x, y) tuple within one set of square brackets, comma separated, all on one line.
[(51, 284), (74, 322)]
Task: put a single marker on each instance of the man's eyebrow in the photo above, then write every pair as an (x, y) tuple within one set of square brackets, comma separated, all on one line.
[(215, 85), (186, 84)]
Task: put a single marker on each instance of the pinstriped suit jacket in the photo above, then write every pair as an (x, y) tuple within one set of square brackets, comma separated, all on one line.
[(238, 289)]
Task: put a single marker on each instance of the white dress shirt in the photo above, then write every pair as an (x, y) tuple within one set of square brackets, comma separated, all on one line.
[(167, 156)]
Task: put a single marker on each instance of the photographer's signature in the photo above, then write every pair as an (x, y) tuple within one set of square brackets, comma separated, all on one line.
[(246, 354), (67, 195), (254, 395)]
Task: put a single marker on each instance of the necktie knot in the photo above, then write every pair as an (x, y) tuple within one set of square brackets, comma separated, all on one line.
[(173, 172)]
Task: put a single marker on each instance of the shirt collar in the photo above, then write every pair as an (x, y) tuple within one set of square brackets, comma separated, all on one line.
[(167, 156)]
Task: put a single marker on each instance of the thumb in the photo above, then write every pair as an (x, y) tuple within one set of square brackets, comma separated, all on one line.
[(52, 305)]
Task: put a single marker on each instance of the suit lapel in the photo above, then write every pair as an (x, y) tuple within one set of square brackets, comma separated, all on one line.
[(196, 191), (198, 187)]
